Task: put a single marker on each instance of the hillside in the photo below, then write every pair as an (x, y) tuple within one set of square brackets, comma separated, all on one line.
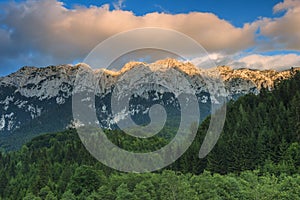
[(32, 98), (256, 157)]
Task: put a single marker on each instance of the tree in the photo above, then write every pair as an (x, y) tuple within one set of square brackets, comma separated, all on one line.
[(68, 195), (85, 179), (30, 196), (122, 193), (3, 183), (44, 192), (141, 191), (105, 192)]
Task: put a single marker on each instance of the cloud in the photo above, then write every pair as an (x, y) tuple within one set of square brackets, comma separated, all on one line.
[(256, 61), (283, 32), (162, 9), (119, 4), (285, 5), (44, 32), (253, 61), (48, 28)]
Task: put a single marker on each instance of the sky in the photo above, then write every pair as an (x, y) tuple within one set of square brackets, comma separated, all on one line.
[(254, 33)]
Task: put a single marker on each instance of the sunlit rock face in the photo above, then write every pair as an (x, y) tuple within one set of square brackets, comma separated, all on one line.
[(38, 100)]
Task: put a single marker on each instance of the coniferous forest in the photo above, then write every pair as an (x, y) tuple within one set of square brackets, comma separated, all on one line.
[(256, 157)]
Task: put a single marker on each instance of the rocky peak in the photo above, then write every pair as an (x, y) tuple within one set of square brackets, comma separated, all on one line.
[(169, 62), (50, 81)]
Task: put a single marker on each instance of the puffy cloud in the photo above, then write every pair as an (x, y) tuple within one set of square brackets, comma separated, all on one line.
[(48, 28), (286, 4), (253, 61), (212, 60), (283, 32), (256, 61), (44, 32)]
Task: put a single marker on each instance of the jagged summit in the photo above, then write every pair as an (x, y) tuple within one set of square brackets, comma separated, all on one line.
[(82, 65), (158, 65), (224, 68), (50, 78), (42, 93), (169, 62)]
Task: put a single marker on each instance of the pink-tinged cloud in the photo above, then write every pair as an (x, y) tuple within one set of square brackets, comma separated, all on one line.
[(257, 61), (283, 32), (253, 61), (44, 32), (286, 4), (48, 27)]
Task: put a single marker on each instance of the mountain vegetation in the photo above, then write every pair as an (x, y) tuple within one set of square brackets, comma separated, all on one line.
[(256, 157), (32, 98)]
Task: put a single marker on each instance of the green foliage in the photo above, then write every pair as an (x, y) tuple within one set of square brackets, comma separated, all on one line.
[(256, 157), (68, 195), (86, 179), (260, 128)]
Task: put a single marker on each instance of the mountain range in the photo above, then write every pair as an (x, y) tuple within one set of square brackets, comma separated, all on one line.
[(39, 100)]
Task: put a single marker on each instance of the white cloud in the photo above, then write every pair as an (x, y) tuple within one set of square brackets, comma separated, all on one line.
[(55, 34), (212, 60), (283, 32), (47, 27), (285, 5), (253, 61), (119, 4), (256, 61)]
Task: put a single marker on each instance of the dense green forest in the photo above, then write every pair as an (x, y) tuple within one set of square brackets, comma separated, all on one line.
[(256, 157)]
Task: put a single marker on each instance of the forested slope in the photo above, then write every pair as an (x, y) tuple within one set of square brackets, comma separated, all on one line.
[(256, 157)]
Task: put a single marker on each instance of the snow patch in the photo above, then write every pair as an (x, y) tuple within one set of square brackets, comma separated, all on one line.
[(60, 100), (2, 122)]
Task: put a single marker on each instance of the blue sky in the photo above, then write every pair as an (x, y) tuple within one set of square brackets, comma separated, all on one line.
[(254, 34)]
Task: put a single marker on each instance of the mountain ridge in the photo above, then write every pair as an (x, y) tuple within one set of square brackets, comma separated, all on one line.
[(33, 97), (28, 79), (169, 63)]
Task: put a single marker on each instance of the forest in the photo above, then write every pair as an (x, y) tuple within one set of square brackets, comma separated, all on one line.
[(256, 157)]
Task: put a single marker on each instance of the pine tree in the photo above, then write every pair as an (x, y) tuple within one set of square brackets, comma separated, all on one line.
[(122, 193)]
